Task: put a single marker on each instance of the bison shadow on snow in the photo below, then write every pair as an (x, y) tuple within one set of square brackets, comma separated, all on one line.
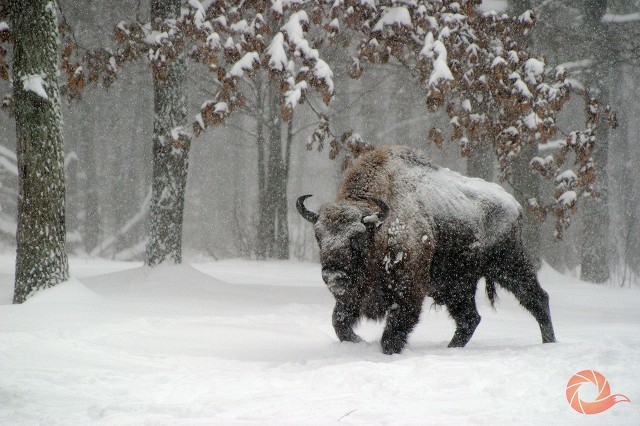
[(403, 228)]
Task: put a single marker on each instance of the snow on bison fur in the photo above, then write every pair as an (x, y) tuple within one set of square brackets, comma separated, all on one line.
[(403, 228)]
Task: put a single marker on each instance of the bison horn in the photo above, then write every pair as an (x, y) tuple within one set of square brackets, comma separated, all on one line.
[(384, 208), (379, 216), (307, 214)]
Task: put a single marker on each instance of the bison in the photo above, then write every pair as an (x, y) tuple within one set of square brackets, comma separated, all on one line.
[(403, 228)]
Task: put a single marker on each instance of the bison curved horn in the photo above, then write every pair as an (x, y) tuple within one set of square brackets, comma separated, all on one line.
[(384, 208), (381, 215), (307, 214)]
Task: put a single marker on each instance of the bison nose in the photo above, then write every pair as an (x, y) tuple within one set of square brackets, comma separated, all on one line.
[(336, 281)]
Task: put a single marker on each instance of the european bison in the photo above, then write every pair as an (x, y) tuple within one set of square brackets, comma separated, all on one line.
[(403, 228)]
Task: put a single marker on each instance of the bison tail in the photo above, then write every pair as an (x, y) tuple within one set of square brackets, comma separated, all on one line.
[(491, 291)]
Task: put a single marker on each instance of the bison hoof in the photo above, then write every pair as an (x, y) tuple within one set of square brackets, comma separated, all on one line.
[(354, 338), (547, 334), (392, 346)]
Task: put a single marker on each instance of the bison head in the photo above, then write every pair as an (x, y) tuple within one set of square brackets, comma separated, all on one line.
[(345, 232)]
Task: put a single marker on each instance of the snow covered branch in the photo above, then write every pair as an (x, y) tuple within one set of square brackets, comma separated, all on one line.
[(470, 63), (264, 37), (492, 87)]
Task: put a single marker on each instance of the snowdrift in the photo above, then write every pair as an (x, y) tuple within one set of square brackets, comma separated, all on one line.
[(251, 342)]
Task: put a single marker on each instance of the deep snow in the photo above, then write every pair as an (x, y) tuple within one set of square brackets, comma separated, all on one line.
[(249, 342)]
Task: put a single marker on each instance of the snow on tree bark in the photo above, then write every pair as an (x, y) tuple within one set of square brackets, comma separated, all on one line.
[(41, 258), (171, 145)]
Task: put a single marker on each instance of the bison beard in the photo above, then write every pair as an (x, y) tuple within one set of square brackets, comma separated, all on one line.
[(403, 228)]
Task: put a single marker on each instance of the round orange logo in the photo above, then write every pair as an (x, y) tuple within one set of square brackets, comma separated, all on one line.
[(603, 401)]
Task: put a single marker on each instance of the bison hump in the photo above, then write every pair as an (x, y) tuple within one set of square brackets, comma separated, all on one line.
[(481, 208), (412, 185)]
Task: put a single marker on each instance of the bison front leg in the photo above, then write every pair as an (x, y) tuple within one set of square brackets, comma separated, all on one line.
[(345, 317), (403, 316)]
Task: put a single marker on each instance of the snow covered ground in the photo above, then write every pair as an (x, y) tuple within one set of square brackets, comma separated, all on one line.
[(245, 342)]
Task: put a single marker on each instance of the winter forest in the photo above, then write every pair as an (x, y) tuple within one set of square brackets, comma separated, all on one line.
[(151, 156), (247, 159)]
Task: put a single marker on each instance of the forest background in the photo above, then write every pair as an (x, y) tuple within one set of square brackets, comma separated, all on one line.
[(108, 136)]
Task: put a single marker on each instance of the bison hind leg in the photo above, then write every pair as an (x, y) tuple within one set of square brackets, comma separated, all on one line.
[(518, 275), (463, 310), (534, 299)]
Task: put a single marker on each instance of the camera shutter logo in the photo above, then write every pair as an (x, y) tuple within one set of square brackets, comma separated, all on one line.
[(603, 401)]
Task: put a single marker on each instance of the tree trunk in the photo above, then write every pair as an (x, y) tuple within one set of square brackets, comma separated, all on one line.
[(525, 181), (265, 219), (282, 227), (596, 243), (91, 225), (273, 226), (41, 258), (170, 151), (623, 185), (526, 184)]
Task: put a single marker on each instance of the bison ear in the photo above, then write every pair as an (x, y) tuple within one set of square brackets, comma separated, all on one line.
[(376, 219), (372, 220)]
